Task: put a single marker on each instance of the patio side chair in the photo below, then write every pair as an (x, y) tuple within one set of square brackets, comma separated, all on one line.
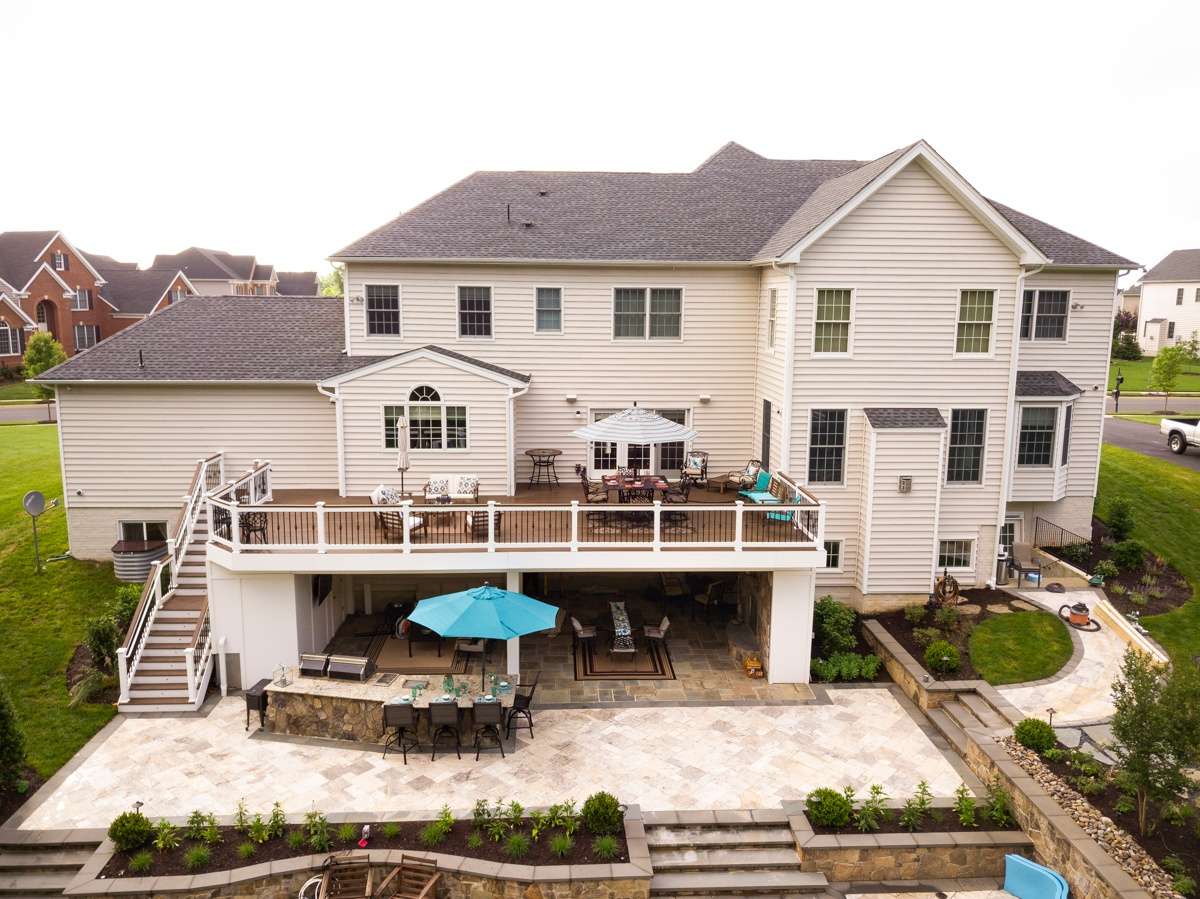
[(1023, 563), (677, 494), (522, 708), (488, 718), (695, 466), (401, 719), (444, 724), (742, 478), (659, 633), (582, 632)]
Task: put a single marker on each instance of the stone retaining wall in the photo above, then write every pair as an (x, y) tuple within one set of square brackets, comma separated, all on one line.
[(333, 717)]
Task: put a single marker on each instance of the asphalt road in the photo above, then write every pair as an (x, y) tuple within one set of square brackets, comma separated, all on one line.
[(1155, 404), (29, 412), (1144, 438)]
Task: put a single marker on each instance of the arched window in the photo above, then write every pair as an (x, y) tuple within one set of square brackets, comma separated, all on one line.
[(41, 313), (424, 394)]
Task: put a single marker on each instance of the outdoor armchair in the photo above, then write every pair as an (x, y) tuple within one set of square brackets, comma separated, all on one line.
[(743, 478)]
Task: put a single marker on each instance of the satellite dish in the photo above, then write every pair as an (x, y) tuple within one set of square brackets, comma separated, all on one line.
[(34, 503)]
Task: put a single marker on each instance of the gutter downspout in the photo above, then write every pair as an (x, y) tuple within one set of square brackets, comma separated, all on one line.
[(336, 397), (1107, 372), (789, 372), (1010, 418), (511, 426)]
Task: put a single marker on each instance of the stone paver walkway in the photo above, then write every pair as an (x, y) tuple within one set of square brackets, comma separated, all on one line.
[(659, 757), (1082, 695)]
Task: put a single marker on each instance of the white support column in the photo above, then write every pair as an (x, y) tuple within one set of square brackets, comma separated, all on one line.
[(792, 598), (368, 605), (514, 645)]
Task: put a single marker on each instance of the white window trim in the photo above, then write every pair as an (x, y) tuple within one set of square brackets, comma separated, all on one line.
[(1056, 434), (386, 282), (143, 522), (93, 329), (623, 448), (772, 334), (59, 256), (13, 344), (820, 485), (562, 311), (491, 306), (973, 539), (840, 569), (1037, 301), (991, 350), (75, 307), (645, 338), (404, 405), (983, 456), (812, 343)]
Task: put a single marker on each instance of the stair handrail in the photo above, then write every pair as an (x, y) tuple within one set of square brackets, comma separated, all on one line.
[(197, 655), (193, 506)]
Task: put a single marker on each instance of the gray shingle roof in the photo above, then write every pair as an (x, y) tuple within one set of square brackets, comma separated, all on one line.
[(1180, 265), (297, 284), (134, 290), (897, 417), (479, 363), (18, 250), (1045, 383), (737, 206), (207, 265)]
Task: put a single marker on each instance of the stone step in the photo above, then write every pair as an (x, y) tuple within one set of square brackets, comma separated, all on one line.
[(713, 883), (44, 859), (717, 837), (950, 730), (961, 715), (699, 859), (35, 883), (982, 710)]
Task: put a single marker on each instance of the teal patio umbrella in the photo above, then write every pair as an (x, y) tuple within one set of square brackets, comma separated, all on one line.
[(485, 612)]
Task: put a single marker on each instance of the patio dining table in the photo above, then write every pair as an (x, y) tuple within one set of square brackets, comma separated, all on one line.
[(434, 690), (648, 484)]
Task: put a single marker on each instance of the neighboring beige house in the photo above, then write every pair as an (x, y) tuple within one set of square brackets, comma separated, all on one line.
[(1170, 304), (217, 273), (1131, 298), (921, 368)]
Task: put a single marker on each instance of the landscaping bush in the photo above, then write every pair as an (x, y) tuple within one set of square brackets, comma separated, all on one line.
[(166, 836), (125, 603), (12, 742), (1106, 568), (1120, 518), (915, 614), (296, 840), (833, 627), (516, 846), (347, 833), (826, 807), (869, 816), (916, 808), (246, 851), (1076, 553), (1126, 348), (947, 617), (602, 813), (923, 636), (605, 847), (846, 666), (317, 826), (1128, 554), (100, 636), (197, 858), (1035, 734), (561, 845), (130, 830), (141, 863), (998, 806), (942, 657), (964, 807), (474, 839)]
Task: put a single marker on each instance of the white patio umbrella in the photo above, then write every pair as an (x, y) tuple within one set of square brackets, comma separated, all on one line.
[(402, 463), (637, 426)]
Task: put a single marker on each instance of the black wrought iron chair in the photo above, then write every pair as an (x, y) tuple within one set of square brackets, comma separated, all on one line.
[(522, 707), (444, 723), (677, 494), (695, 467), (401, 719), (488, 718), (253, 524)]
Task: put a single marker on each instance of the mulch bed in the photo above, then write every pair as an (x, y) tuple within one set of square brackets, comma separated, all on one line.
[(225, 855), (11, 800), (939, 820), (1174, 586), (80, 664)]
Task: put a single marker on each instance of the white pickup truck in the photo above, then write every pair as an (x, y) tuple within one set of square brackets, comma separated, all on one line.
[(1181, 433)]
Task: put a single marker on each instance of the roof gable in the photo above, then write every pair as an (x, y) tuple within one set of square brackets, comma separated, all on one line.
[(1178, 265), (437, 354)]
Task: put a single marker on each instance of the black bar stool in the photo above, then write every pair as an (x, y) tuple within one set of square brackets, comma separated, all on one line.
[(401, 719), (443, 722), (488, 718)]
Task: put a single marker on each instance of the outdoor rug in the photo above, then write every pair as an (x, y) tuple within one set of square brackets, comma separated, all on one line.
[(650, 662), (390, 654)]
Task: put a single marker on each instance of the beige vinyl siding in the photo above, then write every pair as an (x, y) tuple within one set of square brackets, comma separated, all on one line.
[(369, 463), (769, 371), (716, 355), (907, 251)]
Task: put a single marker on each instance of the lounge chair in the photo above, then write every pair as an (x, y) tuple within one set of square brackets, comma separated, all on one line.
[(413, 878), (1023, 564), (743, 478), (392, 521), (347, 875), (464, 487), (1029, 880), (695, 466)]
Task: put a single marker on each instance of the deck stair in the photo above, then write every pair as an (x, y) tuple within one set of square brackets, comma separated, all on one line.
[(32, 866), (727, 853)]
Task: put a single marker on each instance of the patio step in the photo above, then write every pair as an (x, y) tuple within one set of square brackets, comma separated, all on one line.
[(949, 728), (41, 862), (727, 883), (695, 859), (745, 837), (982, 710), (962, 716)]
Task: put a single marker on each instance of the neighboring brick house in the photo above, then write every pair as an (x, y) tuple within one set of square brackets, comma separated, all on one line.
[(218, 273)]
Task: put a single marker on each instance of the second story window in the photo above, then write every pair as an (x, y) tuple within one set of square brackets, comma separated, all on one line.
[(1170, 330), (86, 336), (826, 446), (965, 462), (383, 308), (61, 264), (548, 311), (1044, 314), (974, 334), (1035, 446), (831, 330), (659, 318), (772, 306), (177, 294), (82, 301), (474, 312), (1179, 296)]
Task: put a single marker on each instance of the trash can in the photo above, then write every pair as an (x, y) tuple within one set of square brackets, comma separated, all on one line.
[(1002, 574)]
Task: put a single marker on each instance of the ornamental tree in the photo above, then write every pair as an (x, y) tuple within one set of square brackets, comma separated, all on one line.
[(42, 353)]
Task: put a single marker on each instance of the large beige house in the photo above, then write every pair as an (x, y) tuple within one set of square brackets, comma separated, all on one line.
[(1170, 302), (921, 369)]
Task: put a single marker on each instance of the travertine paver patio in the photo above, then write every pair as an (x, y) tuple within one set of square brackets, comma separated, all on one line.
[(663, 757), (1082, 695)]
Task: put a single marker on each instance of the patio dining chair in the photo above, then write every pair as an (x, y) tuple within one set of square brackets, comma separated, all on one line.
[(659, 633), (594, 494), (582, 632), (695, 467), (521, 708), (676, 495), (488, 716), (444, 724), (742, 478), (401, 719)]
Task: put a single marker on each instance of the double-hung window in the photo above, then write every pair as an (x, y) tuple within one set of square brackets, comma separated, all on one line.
[(641, 313), (82, 300), (60, 261), (975, 309), (965, 462), (383, 308), (1179, 296), (831, 330), (1044, 314), (772, 308), (827, 446), (1198, 294), (432, 424), (1170, 330), (548, 310), (1035, 445), (10, 342), (86, 336), (833, 553), (955, 553), (474, 312)]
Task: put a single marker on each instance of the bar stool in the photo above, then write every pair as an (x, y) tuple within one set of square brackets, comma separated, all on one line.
[(488, 718), (401, 719), (443, 722)]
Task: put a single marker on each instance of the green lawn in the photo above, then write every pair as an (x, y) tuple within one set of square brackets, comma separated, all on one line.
[(41, 616), (1137, 376), (1019, 647), (1166, 502), (1155, 418), (17, 390)]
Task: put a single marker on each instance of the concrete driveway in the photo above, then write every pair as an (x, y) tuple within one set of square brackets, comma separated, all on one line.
[(26, 412), (1144, 438)]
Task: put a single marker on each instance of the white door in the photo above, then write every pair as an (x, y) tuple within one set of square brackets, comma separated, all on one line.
[(665, 458)]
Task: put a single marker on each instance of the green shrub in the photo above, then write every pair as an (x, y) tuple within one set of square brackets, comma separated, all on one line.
[(130, 830), (1076, 553), (1120, 519), (1178, 813), (347, 833), (317, 827), (246, 851), (474, 839), (869, 816), (915, 614), (124, 604), (1055, 754), (1035, 734), (12, 742), (941, 657), (197, 858), (241, 818), (602, 813), (605, 847), (516, 846), (259, 830), (1106, 568), (481, 814), (826, 807), (833, 627), (964, 807), (561, 845), (923, 636), (296, 840), (1088, 786), (1126, 347), (212, 835), (1124, 805), (433, 834), (391, 830), (846, 666), (141, 863), (1116, 589), (998, 806), (196, 823), (947, 617), (916, 807), (277, 823), (1184, 884), (1140, 600), (101, 638), (166, 836), (1128, 554)]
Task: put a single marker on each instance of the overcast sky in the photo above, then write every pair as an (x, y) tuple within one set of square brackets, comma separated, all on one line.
[(287, 130)]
